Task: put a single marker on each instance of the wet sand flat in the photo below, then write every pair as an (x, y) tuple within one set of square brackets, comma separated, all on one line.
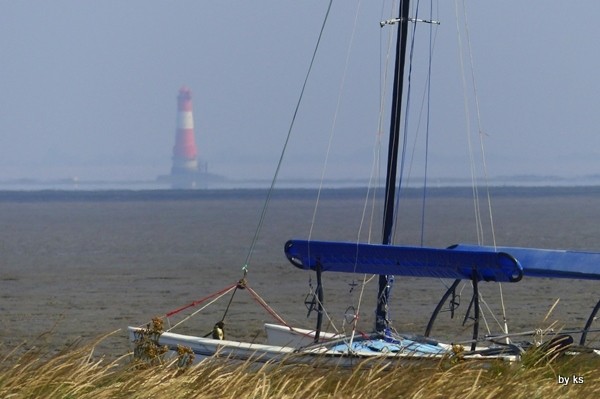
[(80, 266)]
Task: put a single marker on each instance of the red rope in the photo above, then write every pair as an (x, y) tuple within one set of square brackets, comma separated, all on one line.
[(269, 310), (252, 293), (199, 301)]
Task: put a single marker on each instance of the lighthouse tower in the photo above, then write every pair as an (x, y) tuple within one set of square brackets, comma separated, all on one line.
[(185, 161)]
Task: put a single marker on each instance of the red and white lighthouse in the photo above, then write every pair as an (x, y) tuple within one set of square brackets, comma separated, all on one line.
[(185, 154)]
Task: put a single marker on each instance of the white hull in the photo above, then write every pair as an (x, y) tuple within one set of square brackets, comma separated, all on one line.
[(295, 337), (209, 347), (336, 352)]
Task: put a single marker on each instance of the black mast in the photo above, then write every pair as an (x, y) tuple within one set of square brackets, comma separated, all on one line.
[(381, 320)]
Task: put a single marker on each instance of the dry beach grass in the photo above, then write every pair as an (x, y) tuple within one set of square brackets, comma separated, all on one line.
[(78, 372)]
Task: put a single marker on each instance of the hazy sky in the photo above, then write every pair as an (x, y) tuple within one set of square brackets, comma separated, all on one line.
[(88, 88)]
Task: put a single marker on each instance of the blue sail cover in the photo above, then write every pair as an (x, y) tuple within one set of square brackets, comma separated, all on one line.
[(405, 261), (549, 263)]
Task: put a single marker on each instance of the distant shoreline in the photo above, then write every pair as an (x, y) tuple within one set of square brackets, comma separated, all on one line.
[(35, 195), (227, 184)]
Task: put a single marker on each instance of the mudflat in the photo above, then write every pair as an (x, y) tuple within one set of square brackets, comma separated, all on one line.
[(78, 266)]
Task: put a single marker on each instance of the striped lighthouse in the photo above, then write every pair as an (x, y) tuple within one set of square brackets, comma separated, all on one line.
[(185, 154)]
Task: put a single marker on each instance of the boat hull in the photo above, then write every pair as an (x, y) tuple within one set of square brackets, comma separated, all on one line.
[(332, 353), (295, 337)]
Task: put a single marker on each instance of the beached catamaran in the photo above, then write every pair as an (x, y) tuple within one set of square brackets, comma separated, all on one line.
[(473, 263)]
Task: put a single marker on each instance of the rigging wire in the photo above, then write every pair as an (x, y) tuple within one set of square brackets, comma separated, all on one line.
[(406, 120), (329, 144), (425, 105), (427, 121), (375, 166), (375, 176), (483, 158), (481, 135), (427, 100), (478, 212), (335, 117), (283, 151), (474, 188), (219, 296)]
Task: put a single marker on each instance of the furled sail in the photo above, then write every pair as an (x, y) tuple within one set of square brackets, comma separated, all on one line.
[(406, 261)]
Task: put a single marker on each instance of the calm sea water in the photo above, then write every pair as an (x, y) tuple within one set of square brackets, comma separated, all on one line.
[(84, 263)]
